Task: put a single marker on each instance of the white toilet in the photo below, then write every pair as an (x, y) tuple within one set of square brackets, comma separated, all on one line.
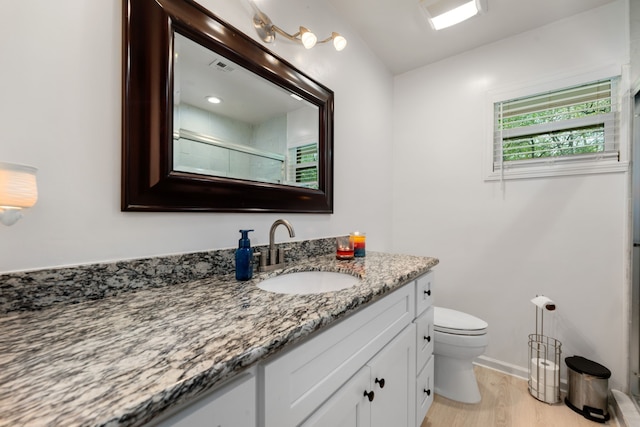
[(459, 339)]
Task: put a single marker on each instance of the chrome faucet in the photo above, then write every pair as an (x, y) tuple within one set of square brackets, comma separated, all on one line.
[(276, 256)]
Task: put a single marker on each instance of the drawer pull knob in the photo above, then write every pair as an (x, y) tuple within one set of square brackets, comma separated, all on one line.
[(428, 292), (428, 338), (370, 395), (428, 392), (380, 382)]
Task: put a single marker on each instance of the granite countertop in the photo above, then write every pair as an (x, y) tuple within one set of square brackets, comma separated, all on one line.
[(124, 359)]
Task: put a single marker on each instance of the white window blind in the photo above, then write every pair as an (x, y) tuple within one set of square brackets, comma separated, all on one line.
[(303, 165), (575, 124)]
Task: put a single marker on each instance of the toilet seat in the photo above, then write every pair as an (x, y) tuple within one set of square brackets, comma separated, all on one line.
[(454, 322)]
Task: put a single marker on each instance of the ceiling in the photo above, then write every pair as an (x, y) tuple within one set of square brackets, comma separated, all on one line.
[(400, 36), (200, 72)]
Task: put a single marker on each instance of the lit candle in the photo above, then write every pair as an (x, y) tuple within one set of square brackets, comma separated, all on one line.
[(359, 240), (344, 247)]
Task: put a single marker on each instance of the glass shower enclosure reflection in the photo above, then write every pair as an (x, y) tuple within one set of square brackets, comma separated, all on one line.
[(228, 122)]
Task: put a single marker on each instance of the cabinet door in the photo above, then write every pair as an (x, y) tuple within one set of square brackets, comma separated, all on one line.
[(424, 338), (424, 391), (393, 372), (234, 405), (348, 407)]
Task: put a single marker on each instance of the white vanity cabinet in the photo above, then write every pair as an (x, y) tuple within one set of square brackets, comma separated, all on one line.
[(231, 405), (378, 395), (424, 346), (392, 373), (298, 382), (348, 407)]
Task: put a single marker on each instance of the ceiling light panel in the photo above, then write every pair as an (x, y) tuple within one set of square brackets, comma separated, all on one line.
[(445, 13)]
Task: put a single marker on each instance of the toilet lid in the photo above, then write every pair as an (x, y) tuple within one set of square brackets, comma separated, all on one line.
[(457, 323)]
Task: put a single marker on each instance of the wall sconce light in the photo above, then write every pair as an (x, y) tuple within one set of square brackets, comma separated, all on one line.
[(267, 32), (445, 13), (18, 190)]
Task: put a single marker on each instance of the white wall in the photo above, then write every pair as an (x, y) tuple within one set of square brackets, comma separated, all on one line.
[(562, 237), (60, 82)]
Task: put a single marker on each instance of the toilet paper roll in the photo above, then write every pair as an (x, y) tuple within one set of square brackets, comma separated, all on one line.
[(544, 302), (548, 394), (544, 371), (544, 379)]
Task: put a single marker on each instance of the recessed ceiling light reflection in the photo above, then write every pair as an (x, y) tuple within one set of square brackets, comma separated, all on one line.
[(214, 99)]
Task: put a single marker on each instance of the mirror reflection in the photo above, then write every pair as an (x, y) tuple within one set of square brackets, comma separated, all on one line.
[(229, 122)]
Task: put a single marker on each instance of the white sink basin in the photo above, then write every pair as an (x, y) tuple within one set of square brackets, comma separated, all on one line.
[(308, 282)]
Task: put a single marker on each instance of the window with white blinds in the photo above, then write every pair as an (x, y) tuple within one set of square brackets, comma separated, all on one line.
[(303, 165), (573, 125)]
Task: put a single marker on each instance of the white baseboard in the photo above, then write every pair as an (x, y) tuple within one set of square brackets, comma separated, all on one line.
[(510, 369), (504, 367)]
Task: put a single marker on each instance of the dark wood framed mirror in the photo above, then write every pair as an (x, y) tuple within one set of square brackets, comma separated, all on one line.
[(152, 179)]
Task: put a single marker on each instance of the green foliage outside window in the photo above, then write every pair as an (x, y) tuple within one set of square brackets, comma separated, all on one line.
[(555, 144), (306, 165)]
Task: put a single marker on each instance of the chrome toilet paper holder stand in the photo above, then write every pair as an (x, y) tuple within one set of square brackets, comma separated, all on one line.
[(544, 357)]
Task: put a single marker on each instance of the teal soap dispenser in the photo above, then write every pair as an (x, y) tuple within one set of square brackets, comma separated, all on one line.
[(244, 255)]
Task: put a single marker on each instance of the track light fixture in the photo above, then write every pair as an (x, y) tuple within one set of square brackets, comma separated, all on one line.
[(267, 32)]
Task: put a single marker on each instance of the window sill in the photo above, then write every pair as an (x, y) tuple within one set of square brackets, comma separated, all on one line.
[(551, 170)]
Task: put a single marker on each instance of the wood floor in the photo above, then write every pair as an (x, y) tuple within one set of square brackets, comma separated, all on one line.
[(506, 402)]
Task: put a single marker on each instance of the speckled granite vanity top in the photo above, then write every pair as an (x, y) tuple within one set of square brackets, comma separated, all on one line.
[(124, 359)]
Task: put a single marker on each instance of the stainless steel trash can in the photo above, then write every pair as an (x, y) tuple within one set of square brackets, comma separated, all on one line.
[(588, 388)]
